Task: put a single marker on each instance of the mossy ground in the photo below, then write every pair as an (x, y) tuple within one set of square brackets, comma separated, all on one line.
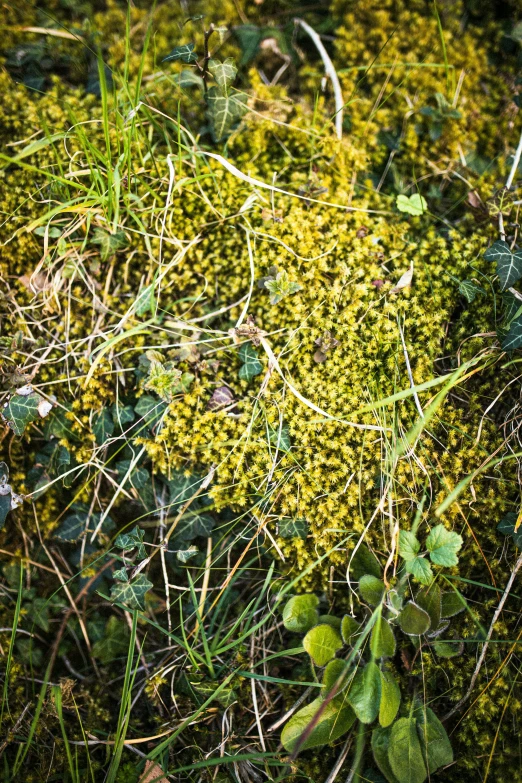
[(132, 164)]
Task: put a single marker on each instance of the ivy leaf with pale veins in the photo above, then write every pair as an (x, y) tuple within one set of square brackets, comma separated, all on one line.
[(223, 72), (513, 339), (509, 263), (184, 52), (443, 546), (131, 540), (469, 290), (251, 365), (103, 426), (24, 406), (131, 594), (225, 110)]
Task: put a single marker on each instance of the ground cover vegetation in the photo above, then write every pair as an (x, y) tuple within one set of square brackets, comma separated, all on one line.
[(260, 331)]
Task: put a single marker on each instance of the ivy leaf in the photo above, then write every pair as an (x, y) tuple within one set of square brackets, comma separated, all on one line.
[(138, 476), (24, 407), (184, 555), (225, 110), (364, 562), (321, 643), (146, 300), (413, 205), (194, 524), (123, 414), (300, 613), (280, 437), (5, 504), (513, 339), (371, 589), (365, 692), (288, 527), (382, 642), (409, 545), (435, 742), (114, 643), (223, 72), (251, 365), (132, 540), (405, 753), (150, 409), (189, 79), (333, 722), (103, 426), (443, 546), (509, 264), (511, 306), (131, 594), (390, 699), (185, 53), (469, 290), (413, 620), (121, 575), (72, 527), (510, 526), (109, 243)]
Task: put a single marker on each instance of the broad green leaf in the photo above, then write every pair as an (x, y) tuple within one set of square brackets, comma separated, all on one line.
[(24, 407), (365, 692), (332, 723), (421, 569), (511, 308), (194, 523), (300, 613), (185, 53), (409, 545), (452, 603), (509, 527), (443, 546), (405, 753), (380, 748), (435, 743), (289, 527), (364, 562), (121, 575), (131, 594), (321, 643), (332, 620), (123, 414), (470, 290), (114, 643), (5, 504), (349, 629), (150, 409), (189, 79), (413, 205), (429, 599), (390, 699), (509, 264), (513, 339), (223, 72), (447, 649), (371, 589), (225, 111), (103, 426), (382, 642), (336, 675), (280, 437), (109, 243), (413, 620), (146, 300), (184, 555), (38, 613), (251, 365)]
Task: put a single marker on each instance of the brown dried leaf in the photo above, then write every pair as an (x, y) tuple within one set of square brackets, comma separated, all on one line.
[(153, 774)]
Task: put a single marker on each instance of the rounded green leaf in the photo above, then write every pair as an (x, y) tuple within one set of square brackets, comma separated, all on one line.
[(349, 629), (332, 723), (382, 642), (443, 546), (380, 748), (445, 649), (405, 753), (435, 742), (365, 692), (330, 619), (300, 613), (429, 599), (413, 620), (371, 589), (364, 562), (335, 675), (321, 643), (452, 603)]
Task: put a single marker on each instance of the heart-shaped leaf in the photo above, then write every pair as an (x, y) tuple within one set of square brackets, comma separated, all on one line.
[(224, 73), (251, 365), (390, 699), (321, 643), (365, 692), (413, 620), (412, 205), (185, 53), (300, 613), (131, 594)]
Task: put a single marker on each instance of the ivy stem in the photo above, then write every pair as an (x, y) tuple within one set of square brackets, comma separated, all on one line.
[(206, 56)]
